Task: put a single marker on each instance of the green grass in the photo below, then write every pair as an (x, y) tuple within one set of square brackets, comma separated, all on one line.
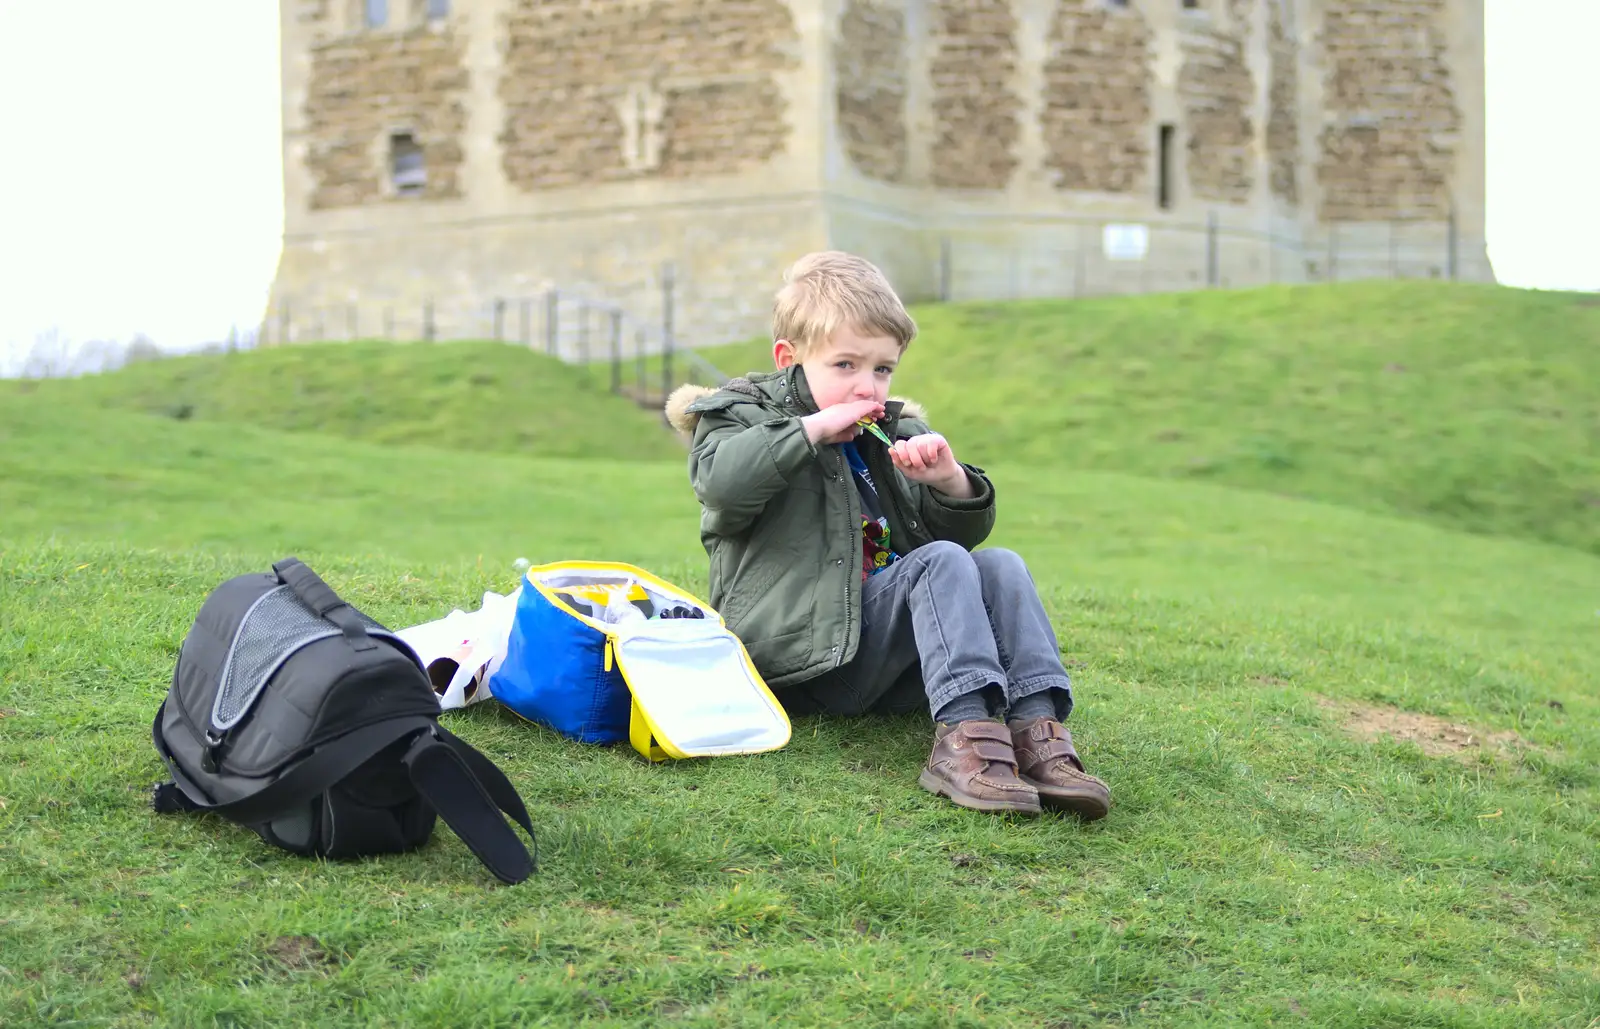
[(1261, 866), (1473, 407), (466, 396)]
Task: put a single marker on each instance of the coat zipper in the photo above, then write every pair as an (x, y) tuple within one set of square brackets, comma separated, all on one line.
[(853, 564)]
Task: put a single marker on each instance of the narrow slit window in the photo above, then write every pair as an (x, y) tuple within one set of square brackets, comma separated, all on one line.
[(1190, 5), (377, 13), (1164, 167), (438, 10), (406, 167)]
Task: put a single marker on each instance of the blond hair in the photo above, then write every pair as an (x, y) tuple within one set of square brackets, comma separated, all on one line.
[(829, 290)]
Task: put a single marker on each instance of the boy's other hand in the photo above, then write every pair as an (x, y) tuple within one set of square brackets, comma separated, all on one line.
[(837, 424), (929, 460)]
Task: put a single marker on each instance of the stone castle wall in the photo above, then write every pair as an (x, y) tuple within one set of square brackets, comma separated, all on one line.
[(1219, 102), (586, 144), (1389, 147), (975, 101), (1097, 84), (363, 88), (872, 64), (580, 78), (1283, 105)]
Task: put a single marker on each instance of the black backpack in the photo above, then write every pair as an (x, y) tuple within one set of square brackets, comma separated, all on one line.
[(294, 714)]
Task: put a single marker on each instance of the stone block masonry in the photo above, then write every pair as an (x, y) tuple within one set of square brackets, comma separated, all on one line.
[(619, 90), (1096, 111), (1218, 93), (363, 88), (870, 71), (1388, 150), (1283, 106), (975, 104)]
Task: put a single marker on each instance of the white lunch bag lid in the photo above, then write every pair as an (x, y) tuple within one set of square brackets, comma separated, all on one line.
[(695, 691)]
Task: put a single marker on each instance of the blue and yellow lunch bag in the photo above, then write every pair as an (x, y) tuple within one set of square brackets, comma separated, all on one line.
[(602, 652)]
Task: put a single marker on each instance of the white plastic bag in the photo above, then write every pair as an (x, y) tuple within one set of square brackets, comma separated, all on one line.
[(463, 650)]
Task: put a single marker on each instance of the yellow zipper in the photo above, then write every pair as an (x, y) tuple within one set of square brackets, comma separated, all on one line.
[(609, 644)]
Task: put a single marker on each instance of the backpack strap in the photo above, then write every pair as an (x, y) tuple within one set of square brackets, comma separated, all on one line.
[(443, 772), (320, 598), (167, 799), (493, 780), (325, 766)]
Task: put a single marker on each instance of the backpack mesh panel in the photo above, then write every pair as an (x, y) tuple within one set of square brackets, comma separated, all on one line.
[(277, 625)]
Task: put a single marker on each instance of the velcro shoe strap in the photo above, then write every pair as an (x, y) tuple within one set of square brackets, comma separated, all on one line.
[(991, 751), (1051, 750), (979, 730)]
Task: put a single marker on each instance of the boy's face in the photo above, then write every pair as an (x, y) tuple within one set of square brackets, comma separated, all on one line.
[(847, 367)]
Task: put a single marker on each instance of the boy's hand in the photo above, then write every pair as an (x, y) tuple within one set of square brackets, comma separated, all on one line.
[(837, 424), (929, 460)]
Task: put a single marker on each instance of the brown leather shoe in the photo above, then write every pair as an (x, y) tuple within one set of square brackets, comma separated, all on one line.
[(1048, 761), (972, 764)]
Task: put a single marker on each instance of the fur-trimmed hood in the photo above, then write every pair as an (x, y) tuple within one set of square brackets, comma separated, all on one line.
[(683, 415), (678, 414)]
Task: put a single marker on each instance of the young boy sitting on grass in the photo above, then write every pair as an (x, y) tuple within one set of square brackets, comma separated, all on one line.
[(847, 566)]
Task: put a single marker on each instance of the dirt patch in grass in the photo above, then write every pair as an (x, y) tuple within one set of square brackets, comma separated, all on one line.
[(1434, 736), (298, 952)]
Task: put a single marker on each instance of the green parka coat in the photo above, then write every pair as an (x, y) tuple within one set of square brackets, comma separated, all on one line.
[(781, 518)]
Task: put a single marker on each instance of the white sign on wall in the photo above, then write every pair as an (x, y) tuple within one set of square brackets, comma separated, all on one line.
[(1127, 242)]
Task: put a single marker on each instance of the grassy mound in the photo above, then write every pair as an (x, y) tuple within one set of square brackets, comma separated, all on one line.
[(465, 396), (1472, 407), (1269, 859)]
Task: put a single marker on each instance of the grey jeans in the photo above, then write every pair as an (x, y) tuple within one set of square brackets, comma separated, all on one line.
[(939, 623)]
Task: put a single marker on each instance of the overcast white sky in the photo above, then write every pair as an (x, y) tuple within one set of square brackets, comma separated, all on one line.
[(139, 162)]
